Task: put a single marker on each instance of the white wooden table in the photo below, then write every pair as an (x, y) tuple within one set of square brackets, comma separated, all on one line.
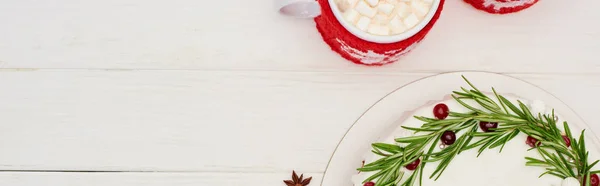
[(180, 93)]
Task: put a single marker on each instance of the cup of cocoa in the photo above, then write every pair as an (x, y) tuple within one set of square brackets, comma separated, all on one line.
[(368, 32)]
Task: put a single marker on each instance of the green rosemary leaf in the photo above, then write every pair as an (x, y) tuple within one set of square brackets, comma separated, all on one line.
[(443, 123), (556, 158), (568, 131), (582, 141), (466, 105), (484, 134), (411, 179), (470, 84), (378, 152), (425, 119), (565, 163), (387, 147), (412, 139), (370, 169), (512, 107), (461, 94), (478, 143), (426, 158), (536, 162), (510, 137), (587, 179), (554, 174), (526, 111), (420, 129), (461, 115), (490, 107), (487, 144), (469, 137), (376, 175), (501, 103), (505, 138), (592, 164), (488, 119)]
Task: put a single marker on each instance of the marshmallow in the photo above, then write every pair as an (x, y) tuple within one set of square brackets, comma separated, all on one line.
[(363, 23), (351, 2), (365, 9), (379, 19), (384, 17), (396, 25), (402, 9), (419, 8), (373, 3), (351, 15), (344, 6), (411, 20), (379, 30), (386, 8)]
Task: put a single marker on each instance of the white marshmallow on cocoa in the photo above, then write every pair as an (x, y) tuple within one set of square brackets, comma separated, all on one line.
[(379, 30), (373, 3), (402, 9), (351, 2), (386, 8), (428, 1), (363, 23), (419, 8), (344, 6), (380, 19), (396, 25), (351, 15), (365, 9), (411, 20)]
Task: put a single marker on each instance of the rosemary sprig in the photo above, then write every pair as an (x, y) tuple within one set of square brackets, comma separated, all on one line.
[(557, 158)]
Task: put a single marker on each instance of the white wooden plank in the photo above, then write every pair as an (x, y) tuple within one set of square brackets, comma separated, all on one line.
[(552, 37), (179, 120), (149, 179)]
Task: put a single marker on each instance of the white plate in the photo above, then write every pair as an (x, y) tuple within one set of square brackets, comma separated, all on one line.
[(385, 113)]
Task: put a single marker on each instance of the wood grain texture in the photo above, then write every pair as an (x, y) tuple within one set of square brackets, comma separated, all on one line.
[(180, 120), (174, 120), (147, 179), (552, 37)]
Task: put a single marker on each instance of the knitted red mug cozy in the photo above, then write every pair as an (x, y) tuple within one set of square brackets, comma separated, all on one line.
[(354, 44)]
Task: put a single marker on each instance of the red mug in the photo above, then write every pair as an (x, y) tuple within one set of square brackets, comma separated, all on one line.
[(501, 6), (361, 45)]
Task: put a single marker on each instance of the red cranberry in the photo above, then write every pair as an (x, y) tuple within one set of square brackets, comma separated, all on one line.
[(594, 180), (441, 111), (413, 165), (567, 140), (448, 138), (369, 184), (486, 126), (532, 142)]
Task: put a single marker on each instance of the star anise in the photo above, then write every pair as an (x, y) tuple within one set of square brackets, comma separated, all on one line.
[(297, 181)]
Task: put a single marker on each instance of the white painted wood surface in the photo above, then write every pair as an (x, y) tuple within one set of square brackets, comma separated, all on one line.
[(179, 93)]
